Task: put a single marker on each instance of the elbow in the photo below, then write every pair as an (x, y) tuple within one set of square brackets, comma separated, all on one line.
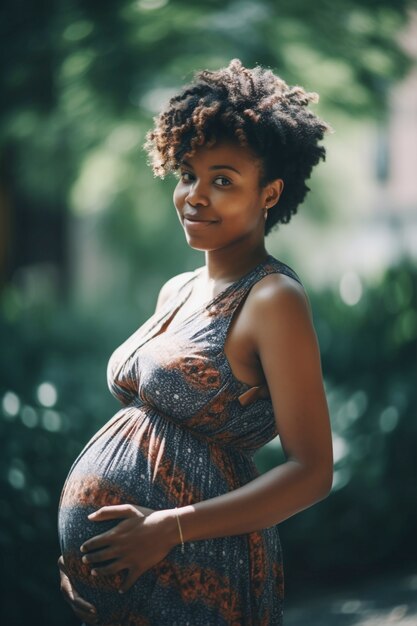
[(320, 477), (325, 482)]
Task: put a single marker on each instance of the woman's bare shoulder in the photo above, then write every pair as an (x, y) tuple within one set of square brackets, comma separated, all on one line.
[(171, 286), (278, 296), (277, 285)]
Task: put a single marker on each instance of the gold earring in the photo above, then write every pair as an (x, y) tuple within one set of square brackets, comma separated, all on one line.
[(266, 212)]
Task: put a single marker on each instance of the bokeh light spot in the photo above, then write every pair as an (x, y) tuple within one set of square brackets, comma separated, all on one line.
[(16, 478), (76, 64), (408, 324), (10, 404), (40, 496), (350, 288), (51, 420), (341, 477), (78, 30), (29, 417), (155, 99), (151, 5), (47, 394), (350, 606), (124, 138), (388, 419), (340, 447)]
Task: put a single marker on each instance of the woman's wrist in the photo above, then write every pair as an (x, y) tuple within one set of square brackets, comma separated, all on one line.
[(169, 526)]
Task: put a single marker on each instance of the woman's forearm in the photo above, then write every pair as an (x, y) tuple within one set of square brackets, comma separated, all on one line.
[(261, 503)]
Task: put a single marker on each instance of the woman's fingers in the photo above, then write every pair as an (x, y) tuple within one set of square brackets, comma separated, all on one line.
[(83, 609), (118, 511), (61, 564), (132, 576), (86, 615), (98, 541), (113, 512), (73, 598), (83, 605), (143, 509), (101, 555), (112, 568)]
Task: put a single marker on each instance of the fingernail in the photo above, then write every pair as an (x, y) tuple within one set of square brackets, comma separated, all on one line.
[(84, 559), (92, 611), (82, 549), (120, 590), (93, 572)]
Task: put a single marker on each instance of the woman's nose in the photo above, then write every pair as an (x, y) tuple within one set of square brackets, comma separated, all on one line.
[(197, 194)]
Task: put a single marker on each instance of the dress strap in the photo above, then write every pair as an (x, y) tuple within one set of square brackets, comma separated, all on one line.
[(225, 308), (229, 300)]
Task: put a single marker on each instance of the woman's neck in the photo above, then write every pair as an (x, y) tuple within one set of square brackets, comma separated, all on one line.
[(227, 265)]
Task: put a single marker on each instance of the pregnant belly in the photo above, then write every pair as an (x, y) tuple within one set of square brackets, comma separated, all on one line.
[(129, 460), (113, 468)]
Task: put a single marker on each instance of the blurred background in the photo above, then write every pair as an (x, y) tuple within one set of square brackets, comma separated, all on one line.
[(88, 236)]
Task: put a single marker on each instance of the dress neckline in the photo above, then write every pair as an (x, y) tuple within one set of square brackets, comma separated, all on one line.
[(227, 289), (171, 318), (212, 301)]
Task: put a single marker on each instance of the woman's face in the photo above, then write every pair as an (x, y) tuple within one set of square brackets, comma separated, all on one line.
[(218, 198)]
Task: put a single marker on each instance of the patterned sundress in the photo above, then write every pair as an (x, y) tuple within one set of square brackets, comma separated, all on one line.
[(187, 432)]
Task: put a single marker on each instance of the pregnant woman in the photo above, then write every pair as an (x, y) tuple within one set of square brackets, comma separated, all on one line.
[(164, 518)]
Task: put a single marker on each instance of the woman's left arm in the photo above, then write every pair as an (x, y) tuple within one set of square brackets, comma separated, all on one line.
[(288, 350)]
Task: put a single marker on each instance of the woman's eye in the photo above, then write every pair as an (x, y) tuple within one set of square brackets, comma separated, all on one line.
[(224, 179), (182, 174), (225, 182)]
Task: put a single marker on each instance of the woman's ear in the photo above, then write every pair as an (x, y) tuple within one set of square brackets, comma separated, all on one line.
[(273, 191)]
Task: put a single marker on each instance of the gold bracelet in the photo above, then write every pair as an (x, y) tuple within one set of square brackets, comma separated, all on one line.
[(179, 528)]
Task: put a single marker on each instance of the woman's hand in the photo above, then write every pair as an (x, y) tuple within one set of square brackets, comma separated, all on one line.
[(137, 543), (85, 611)]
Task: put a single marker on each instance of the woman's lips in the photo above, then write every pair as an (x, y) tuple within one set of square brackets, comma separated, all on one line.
[(197, 224)]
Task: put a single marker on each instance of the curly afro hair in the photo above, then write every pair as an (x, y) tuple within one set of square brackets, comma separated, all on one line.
[(257, 109)]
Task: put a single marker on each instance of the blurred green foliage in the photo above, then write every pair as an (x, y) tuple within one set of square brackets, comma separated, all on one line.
[(81, 81)]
